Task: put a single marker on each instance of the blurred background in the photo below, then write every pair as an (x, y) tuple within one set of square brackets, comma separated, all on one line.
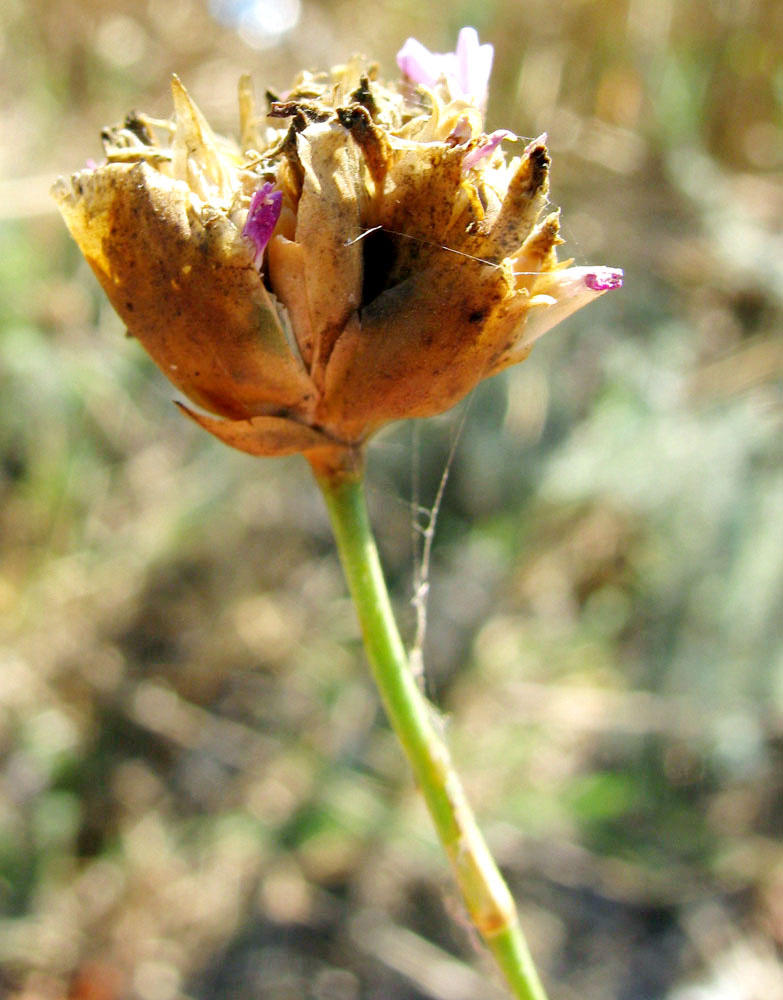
[(199, 797)]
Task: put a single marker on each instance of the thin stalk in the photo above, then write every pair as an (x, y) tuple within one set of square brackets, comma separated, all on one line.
[(413, 719)]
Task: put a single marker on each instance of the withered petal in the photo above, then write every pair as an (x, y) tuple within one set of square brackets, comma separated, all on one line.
[(538, 251), (286, 266), (522, 204), (328, 228), (249, 137), (197, 158), (262, 436), (186, 288)]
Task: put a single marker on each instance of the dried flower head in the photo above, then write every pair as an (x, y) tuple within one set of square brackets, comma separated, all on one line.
[(365, 253)]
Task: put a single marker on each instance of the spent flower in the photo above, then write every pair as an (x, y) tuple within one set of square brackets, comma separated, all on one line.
[(365, 252)]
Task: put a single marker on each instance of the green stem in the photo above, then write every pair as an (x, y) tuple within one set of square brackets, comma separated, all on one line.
[(486, 895)]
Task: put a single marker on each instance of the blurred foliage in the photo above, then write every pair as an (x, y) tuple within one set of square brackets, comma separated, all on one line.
[(198, 794)]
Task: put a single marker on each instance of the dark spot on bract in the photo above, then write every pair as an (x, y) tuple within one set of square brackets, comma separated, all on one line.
[(363, 95), (380, 253), (134, 124)]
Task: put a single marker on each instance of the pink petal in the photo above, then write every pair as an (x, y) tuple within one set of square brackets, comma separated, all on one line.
[(418, 64), (474, 65), (461, 133), (559, 294), (262, 216), (541, 140), (488, 146), (466, 71)]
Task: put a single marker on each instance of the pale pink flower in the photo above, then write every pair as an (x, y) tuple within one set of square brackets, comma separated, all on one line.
[(465, 72)]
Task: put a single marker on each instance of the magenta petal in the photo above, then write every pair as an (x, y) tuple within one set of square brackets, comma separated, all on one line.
[(604, 279), (262, 216)]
